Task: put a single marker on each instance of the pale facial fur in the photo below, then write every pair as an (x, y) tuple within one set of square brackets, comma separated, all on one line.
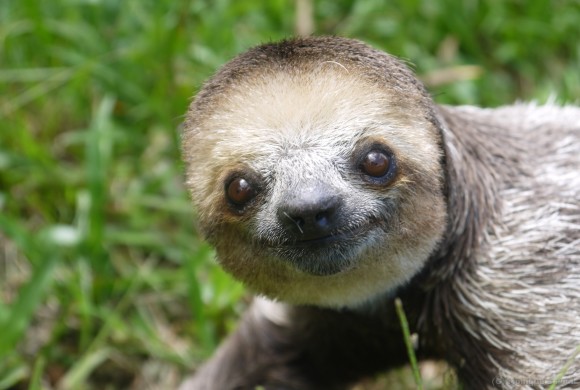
[(297, 129)]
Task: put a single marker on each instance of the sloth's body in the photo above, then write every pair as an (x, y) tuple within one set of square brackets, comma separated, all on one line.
[(328, 181)]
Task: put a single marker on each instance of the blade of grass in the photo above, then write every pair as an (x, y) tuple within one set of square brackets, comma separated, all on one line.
[(408, 343), (36, 377), (98, 149), (31, 294), (44, 88), (31, 74), (80, 371), (12, 376), (203, 326), (564, 369)]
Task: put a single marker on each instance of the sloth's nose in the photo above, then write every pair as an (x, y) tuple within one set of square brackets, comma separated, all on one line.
[(310, 212)]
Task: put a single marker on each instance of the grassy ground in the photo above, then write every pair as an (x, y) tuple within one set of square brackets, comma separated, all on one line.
[(104, 283)]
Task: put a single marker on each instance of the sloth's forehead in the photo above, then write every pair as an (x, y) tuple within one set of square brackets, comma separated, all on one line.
[(324, 111)]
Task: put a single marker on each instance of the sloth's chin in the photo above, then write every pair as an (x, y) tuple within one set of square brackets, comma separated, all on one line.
[(328, 255)]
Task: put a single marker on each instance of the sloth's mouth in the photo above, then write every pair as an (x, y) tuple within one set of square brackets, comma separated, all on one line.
[(335, 237), (327, 255)]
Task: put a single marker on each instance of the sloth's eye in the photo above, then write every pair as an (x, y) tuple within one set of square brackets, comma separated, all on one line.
[(376, 164), (239, 191)]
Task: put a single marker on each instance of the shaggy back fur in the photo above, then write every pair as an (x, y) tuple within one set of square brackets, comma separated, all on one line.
[(511, 300)]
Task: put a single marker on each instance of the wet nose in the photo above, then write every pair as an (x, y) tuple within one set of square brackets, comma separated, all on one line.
[(310, 212)]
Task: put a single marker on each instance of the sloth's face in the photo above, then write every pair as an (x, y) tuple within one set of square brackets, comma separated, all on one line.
[(317, 187)]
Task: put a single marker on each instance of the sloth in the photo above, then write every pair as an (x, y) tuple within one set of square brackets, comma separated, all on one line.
[(330, 184)]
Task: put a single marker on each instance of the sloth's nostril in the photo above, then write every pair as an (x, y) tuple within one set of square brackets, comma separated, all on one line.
[(310, 213)]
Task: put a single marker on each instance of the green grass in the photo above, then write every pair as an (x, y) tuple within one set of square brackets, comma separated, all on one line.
[(408, 343), (104, 283)]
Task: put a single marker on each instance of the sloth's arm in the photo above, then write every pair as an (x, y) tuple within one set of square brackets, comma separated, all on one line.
[(256, 354), (299, 348)]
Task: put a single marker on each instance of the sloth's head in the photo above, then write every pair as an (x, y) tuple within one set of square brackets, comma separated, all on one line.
[(316, 169)]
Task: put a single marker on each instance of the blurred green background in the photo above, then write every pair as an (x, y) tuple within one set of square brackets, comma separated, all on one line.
[(104, 283)]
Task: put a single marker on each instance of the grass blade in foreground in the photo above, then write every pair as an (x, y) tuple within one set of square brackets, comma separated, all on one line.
[(408, 343), (31, 294)]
